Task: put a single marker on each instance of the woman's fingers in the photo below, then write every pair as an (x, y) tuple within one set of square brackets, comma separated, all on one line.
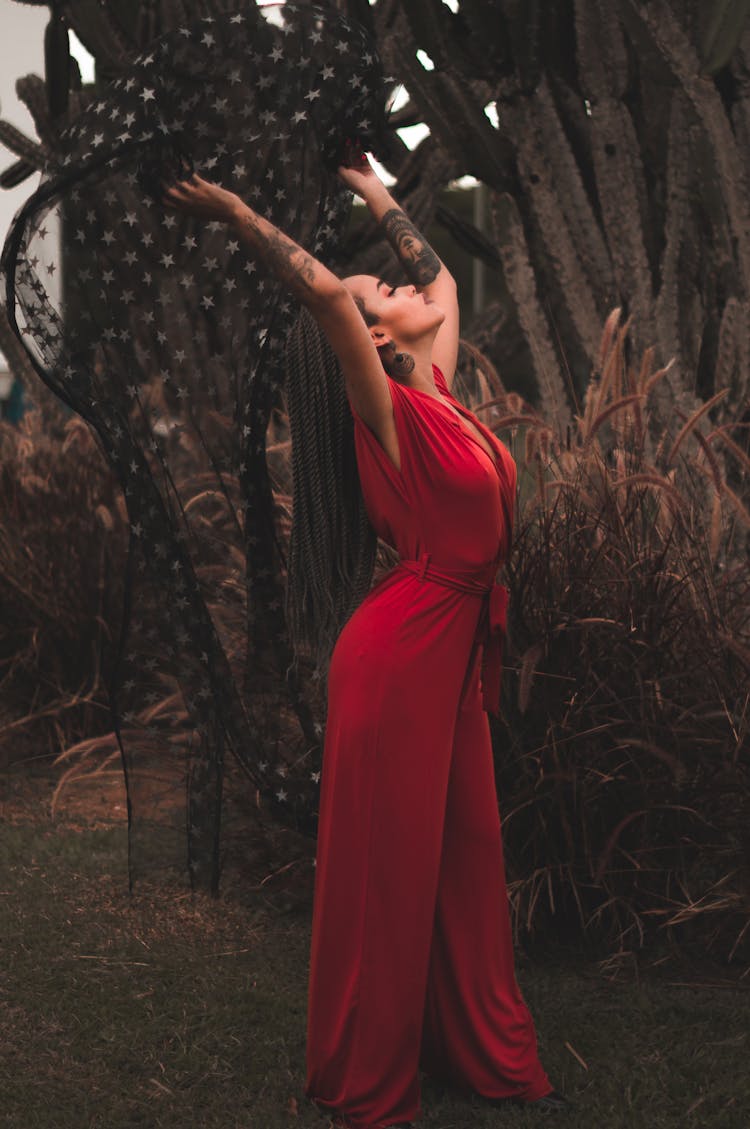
[(181, 181), (191, 194), (173, 197), (176, 193)]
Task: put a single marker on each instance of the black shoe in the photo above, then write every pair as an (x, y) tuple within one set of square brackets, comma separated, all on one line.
[(553, 1100), (548, 1103)]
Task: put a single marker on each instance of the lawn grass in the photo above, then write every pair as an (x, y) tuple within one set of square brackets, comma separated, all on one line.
[(165, 1009)]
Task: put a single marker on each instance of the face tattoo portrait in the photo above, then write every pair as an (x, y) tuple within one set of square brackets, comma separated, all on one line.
[(174, 342)]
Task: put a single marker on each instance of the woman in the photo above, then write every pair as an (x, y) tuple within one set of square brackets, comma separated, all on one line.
[(412, 957)]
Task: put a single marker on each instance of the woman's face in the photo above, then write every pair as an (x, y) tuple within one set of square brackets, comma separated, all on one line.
[(403, 312)]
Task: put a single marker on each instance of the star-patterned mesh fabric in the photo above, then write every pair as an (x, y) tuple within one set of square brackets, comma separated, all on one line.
[(169, 340)]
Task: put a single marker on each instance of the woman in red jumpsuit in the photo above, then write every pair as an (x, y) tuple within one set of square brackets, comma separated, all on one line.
[(412, 957)]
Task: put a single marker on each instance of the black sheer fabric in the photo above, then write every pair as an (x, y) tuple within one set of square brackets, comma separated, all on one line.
[(169, 340)]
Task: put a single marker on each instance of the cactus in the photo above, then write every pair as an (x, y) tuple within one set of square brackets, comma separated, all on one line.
[(613, 140), (31, 153), (57, 64), (627, 161), (722, 24)]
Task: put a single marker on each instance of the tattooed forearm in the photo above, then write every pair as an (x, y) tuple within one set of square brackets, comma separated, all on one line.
[(307, 278), (286, 259), (420, 263)]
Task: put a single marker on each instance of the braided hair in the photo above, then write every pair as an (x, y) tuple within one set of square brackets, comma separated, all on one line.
[(333, 545)]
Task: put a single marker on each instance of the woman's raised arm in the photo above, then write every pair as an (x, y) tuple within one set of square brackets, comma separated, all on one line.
[(420, 263), (311, 282), (316, 287)]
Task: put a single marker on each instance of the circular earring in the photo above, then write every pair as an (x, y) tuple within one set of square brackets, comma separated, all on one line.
[(403, 363), (397, 365)]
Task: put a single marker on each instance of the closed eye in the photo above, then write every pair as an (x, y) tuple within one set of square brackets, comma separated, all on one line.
[(384, 284)]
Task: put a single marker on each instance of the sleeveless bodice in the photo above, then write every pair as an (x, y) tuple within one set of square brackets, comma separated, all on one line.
[(450, 499)]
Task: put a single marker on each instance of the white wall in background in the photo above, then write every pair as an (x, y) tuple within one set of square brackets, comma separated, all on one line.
[(21, 53)]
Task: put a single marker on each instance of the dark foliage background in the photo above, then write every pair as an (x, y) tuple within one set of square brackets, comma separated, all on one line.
[(617, 176)]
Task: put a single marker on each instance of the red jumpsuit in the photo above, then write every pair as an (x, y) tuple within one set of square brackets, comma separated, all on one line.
[(411, 959)]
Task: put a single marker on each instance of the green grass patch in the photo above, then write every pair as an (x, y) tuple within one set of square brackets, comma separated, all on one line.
[(165, 1009)]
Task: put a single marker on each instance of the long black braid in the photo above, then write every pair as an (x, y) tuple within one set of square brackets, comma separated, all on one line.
[(333, 545)]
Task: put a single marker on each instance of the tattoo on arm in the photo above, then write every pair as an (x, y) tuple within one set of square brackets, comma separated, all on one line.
[(421, 264), (286, 259)]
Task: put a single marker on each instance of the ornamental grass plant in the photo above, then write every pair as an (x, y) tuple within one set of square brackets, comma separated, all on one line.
[(622, 753), (62, 542)]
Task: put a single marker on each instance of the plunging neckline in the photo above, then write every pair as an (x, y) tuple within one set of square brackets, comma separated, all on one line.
[(460, 422)]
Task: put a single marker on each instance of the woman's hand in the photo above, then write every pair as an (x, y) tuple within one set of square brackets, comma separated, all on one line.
[(358, 174), (198, 197)]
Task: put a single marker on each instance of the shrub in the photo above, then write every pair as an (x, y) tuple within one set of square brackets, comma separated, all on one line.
[(62, 542), (620, 763)]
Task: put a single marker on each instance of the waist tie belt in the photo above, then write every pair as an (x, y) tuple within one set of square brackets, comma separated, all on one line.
[(492, 625)]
